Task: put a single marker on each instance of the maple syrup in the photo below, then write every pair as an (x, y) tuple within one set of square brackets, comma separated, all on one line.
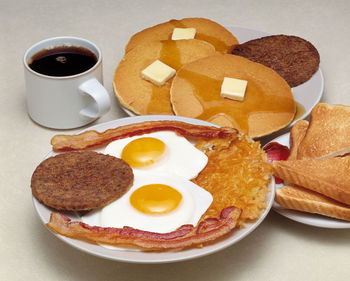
[(207, 92), (219, 45), (160, 99)]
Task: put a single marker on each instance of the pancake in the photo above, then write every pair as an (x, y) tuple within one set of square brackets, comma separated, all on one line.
[(207, 30), (294, 58), (141, 96), (268, 105)]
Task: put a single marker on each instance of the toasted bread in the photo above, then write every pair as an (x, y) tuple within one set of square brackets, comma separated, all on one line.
[(301, 199), (267, 107), (297, 133), (328, 176), (328, 134), (321, 178)]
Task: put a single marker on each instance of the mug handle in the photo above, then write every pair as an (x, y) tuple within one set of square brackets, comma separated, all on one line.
[(102, 103)]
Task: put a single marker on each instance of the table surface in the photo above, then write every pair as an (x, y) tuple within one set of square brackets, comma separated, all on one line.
[(279, 249)]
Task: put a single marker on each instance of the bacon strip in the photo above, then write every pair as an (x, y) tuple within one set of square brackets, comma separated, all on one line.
[(93, 138), (184, 237)]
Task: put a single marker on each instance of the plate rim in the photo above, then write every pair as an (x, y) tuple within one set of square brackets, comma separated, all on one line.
[(191, 253)]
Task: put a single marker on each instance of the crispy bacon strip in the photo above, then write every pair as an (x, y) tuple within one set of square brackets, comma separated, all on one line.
[(184, 237), (93, 138)]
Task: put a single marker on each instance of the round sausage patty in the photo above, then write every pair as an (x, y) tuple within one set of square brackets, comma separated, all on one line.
[(292, 57), (83, 180)]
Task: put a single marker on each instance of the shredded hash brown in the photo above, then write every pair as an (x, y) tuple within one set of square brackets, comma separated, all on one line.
[(237, 174)]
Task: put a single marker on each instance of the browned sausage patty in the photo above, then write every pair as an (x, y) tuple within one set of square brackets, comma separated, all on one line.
[(292, 57), (84, 180)]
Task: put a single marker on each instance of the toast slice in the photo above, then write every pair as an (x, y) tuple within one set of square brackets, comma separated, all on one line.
[(326, 122), (329, 176), (306, 139), (301, 199), (297, 133)]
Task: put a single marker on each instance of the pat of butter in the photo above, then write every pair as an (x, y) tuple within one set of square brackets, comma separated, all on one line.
[(233, 88), (183, 33), (158, 73)]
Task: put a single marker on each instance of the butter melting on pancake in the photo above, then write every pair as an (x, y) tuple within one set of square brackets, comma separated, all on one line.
[(141, 96), (268, 105), (206, 30)]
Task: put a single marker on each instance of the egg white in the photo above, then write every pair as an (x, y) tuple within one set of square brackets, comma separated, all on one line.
[(195, 201), (180, 157)]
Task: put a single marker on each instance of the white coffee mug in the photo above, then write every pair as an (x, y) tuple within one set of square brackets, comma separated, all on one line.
[(65, 102)]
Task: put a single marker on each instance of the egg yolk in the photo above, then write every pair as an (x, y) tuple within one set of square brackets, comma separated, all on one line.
[(155, 199), (143, 152)]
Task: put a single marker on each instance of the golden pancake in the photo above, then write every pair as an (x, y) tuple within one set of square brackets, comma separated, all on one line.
[(141, 96), (207, 30), (268, 105)]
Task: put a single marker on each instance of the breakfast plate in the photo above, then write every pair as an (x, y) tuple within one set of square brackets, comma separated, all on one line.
[(305, 218), (137, 256), (307, 95)]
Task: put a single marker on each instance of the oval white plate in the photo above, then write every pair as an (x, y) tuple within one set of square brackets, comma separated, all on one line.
[(305, 218), (154, 257), (307, 94)]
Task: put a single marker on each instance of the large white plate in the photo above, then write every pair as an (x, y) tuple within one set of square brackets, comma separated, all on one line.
[(302, 217), (307, 94), (154, 257)]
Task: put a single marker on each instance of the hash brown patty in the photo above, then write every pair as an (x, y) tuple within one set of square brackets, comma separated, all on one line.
[(83, 180), (292, 57)]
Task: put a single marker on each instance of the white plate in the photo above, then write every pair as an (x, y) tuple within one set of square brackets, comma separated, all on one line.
[(155, 257), (307, 94), (305, 218)]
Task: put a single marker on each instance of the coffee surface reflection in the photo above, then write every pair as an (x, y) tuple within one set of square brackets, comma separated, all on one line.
[(62, 61)]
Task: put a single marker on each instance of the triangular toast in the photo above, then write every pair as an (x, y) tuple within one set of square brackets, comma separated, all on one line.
[(297, 134), (301, 199), (328, 134), (328, 176)]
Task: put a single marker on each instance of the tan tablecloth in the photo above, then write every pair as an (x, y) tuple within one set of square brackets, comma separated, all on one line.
[(279, 249)]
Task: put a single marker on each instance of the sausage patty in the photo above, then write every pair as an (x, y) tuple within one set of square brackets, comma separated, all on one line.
[(292, 57), (83, 180)]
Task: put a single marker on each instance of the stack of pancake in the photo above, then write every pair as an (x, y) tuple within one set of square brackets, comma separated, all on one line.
[(201, 65)]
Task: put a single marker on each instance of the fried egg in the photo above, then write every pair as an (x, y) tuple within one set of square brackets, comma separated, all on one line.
[(162, 197), (160, 152), (156, 202)]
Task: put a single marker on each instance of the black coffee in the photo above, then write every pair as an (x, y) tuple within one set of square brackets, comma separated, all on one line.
[(63, 61)]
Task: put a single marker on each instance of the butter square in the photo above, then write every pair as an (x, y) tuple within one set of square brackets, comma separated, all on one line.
[(233, 88), (183, 33), (158, 73)]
